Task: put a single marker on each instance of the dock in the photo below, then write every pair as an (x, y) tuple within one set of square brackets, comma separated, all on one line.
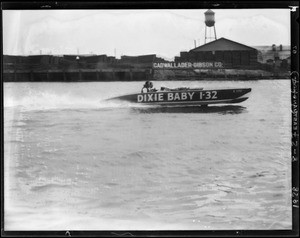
[(77, 75)]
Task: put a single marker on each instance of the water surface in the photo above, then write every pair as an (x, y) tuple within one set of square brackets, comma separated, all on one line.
[(75, 162)]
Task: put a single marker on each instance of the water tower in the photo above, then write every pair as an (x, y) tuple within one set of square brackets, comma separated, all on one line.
[(210, 22)]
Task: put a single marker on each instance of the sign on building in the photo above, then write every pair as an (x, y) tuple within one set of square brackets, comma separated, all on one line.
[(188, 65)]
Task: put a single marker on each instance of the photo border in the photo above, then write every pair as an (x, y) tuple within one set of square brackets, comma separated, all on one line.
[(294, 8)]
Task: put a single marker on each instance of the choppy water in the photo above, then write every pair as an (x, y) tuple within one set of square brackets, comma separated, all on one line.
[(73, 161)]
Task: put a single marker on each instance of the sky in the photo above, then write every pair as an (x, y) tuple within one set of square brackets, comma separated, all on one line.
[(136, 32)]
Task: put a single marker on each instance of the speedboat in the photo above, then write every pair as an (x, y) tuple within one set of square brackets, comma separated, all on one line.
[(187, 96)]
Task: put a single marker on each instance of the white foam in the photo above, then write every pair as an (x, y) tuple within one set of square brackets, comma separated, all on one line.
[(48, 100)]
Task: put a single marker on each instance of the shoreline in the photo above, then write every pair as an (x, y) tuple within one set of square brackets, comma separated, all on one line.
[(130, 75)]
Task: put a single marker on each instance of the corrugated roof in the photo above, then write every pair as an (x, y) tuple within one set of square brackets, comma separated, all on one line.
[(222, 44)]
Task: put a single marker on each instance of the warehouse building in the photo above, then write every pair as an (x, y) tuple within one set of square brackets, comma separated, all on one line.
[(230, 53), (273, 53), (145, 61)]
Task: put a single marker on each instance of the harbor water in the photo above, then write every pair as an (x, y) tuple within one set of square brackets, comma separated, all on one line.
[(74, 161)]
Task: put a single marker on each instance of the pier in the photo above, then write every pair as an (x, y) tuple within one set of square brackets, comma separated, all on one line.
[(77, 75)]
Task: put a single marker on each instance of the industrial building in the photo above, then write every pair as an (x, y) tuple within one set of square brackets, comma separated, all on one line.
[(230, 53), (222, 52), (273, 53), (144, 61)]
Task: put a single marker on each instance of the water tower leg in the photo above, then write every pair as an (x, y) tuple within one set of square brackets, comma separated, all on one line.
[(215, 33)]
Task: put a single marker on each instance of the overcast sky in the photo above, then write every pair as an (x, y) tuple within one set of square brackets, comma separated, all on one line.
[(136, 32)]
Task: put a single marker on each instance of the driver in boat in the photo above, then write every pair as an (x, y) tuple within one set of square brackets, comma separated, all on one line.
[(148, 87)]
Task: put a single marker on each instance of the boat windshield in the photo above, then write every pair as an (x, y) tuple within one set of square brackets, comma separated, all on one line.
[(179, 89)]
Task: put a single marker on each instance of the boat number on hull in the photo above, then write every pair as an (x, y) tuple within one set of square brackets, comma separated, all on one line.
[(179, 96), (208, 95)]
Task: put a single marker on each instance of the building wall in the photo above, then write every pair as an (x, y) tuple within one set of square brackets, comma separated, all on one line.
[(231, 54), (138, 59), (229, 59)]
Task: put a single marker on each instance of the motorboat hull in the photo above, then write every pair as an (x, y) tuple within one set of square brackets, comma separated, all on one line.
[(189, 97)]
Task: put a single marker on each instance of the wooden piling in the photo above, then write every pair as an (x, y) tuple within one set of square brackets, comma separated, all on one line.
[(113, 75), (15, 75), (31, 75), (97, 75), (131, 74), (80, 75), (65, 76)]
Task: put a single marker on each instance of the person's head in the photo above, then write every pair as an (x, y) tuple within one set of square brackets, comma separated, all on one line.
[(148, 84)]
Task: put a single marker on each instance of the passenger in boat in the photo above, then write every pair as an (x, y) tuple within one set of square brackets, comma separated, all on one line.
[(148, 87), (164, 89)]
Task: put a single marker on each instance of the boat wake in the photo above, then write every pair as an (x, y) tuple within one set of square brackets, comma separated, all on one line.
[(226, 109), (44, 101)]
